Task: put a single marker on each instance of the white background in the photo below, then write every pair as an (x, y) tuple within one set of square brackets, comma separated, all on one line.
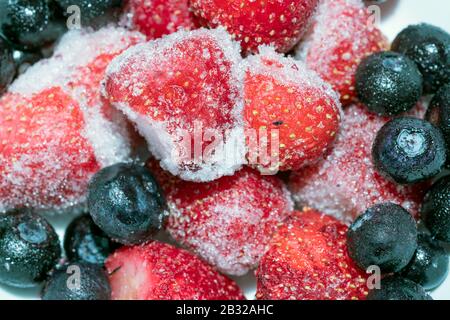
[(395, 15)]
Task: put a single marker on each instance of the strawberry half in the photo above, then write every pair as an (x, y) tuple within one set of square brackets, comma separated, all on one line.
[(181, 91), (308, 260), (342, 34), (56, 131), (227, 222), (280, 23), (158, 271), (45, 160), (285, 100)]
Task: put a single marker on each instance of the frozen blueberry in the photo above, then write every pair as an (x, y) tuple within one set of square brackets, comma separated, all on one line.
[(435, 211), (78, 281), (85, 242), (409, 150), (126, 202), (7, 67), (429, 47), (89, 9), (385, 236), (429, 266), (439, 114), (29, 248), (30, 24), (388, 83), (398, 288)]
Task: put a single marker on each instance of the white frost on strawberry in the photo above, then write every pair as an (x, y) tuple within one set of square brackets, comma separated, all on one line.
[(56, 129), (177, 90)]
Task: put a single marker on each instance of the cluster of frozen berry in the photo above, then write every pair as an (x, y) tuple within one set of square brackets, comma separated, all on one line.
[(176, 115)]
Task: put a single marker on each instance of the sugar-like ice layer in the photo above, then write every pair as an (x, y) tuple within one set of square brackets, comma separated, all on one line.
[(346, 183), (45, 161), (129, 74), (107, 139), (229, 226), (76, 49), (330, 25)]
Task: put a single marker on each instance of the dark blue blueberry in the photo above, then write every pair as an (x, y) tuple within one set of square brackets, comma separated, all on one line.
[(429, 266), (409, 150), (77, 281), (388, 83), (7, 67), (126, 202), (385, 236), (85, 242), (429, 47), (439, 114), (435, 211), (90, 10), (29, 248), (30, 24), (398, 288)]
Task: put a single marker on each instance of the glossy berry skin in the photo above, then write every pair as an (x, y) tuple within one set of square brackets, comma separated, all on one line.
[(398, 288), (93, 283), (429, 47), (7, 67), (126, 202), (87, 243), (29, 248), (435, 211), (409, 150), (29, 24), (429, 266), (439, 114), (385, 236), (388, 83)]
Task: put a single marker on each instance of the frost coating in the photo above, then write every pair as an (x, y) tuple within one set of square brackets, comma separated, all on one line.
[(64, 130), (228, 222), (341, 35), (184, 87), (346, 183), (77, 48)]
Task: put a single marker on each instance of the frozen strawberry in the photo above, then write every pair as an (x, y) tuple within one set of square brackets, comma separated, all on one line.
[(308, 260), (346, 183), (292, 108), (343, 32), (227, 222), (280, 23), (55, 129), (44, 157), (158, 271), (156, 18), (183, 93)]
